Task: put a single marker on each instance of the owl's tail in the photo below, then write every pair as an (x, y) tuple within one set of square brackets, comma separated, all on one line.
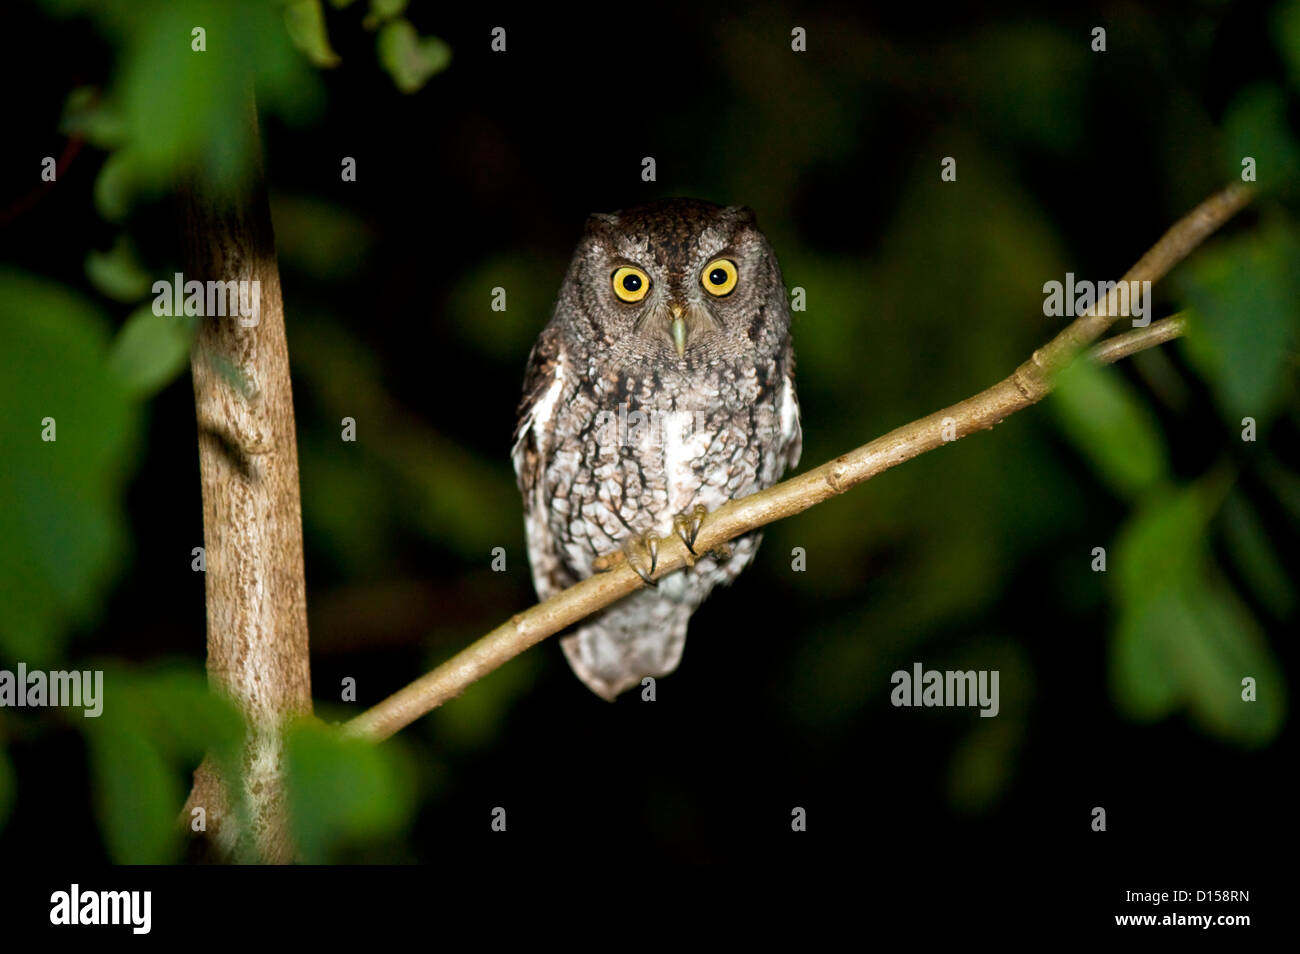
[(643, 635)]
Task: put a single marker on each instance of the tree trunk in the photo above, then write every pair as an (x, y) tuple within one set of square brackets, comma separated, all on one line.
[(252, 516)]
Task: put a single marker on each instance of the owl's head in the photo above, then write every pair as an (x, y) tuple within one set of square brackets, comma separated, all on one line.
[(678, 279)]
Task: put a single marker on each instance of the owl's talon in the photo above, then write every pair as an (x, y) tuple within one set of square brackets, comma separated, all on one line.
[(642, 555), (688, 524)]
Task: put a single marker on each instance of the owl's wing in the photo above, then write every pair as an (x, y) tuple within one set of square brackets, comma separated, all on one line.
[(791, 430), (545, 382)]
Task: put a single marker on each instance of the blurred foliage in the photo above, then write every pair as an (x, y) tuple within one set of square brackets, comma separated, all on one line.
[(917, 296), (983, 763), (320, 239), (345, 792), (154, 730), (71, 435), (117, 273), (482, 716), (1256, 127), (1286, 26), (150, 352), (1243, 336), (1109, 423), (195, 120), (176, 107), (305, 21), (1184, 638), (407, 475), (1249, 548), (409, 58)]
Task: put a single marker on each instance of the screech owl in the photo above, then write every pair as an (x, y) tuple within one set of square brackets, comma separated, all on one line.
[(661, 388)]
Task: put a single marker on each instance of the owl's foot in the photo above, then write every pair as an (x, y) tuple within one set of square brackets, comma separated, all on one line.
[(688, 524), (721, 553), (642, 554)]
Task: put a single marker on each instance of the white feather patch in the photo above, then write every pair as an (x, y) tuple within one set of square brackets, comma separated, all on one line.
[(539, 415), (684, 444), (789, 411)]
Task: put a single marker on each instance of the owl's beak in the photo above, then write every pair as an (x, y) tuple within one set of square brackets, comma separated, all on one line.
[(678, 329)]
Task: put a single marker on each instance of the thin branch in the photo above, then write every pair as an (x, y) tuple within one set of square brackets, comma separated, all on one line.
[(1030, 382), (1139, 339)]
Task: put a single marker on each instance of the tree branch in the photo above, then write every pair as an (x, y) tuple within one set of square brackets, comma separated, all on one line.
[(1027, 385), (1139, 339), (252, 522)]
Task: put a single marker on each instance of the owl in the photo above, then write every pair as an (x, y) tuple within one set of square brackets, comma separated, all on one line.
[(661, 388)]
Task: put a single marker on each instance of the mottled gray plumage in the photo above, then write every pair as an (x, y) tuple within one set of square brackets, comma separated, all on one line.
[(712, 378)]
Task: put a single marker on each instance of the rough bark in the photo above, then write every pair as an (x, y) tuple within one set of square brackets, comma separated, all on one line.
[(252, 518)]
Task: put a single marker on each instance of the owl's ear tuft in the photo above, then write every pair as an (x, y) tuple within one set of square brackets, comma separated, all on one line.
[(742, 215), (599, 222)]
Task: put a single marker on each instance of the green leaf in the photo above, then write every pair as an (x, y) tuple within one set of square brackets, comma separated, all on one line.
[(117, 185), (1191, 648), (1111, 427), (86, 113), (154, 729), (1146, 687), (1224, 646), (381, 11), (344, 792), (1162, 546), (1247, 544), (180, 714), (137, 797), (1245, 299), (1184, 640), (117, 273), (63, 534), (305, 21), (409, 58), (175, 110), (1255, 126), (183, 108), (150, 351)]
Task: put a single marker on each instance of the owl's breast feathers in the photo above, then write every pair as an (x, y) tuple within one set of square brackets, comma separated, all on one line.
[(601, 458)]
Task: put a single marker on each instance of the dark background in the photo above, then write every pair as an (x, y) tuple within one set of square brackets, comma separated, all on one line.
[(919, 294)]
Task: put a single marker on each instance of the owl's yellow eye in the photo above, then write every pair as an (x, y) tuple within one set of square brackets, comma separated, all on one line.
[(630, 284), (719, 277)]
